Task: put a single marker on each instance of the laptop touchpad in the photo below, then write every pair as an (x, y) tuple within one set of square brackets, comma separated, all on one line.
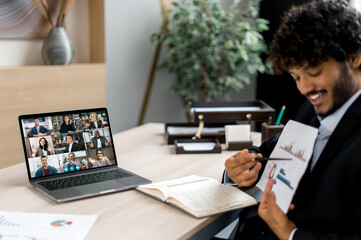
[(100, 187), (65, 193)]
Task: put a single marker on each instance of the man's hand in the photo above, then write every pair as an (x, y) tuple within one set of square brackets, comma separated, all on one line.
[(269, 211), (238, 168)]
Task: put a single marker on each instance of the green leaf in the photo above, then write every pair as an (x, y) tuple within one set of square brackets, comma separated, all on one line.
[(229, 44), (243, 54), (262, 24), (196, 3), (196, 66)]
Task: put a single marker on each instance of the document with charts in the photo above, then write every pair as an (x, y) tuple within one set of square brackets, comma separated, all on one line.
[(296, 142), (23, 225), (198, 196)]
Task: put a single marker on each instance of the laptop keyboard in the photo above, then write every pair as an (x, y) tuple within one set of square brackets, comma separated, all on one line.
[(84, 179)]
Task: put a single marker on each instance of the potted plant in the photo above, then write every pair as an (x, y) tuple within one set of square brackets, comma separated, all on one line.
[(213, 51)]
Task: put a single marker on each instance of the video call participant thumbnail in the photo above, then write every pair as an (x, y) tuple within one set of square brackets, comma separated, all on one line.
[(72, 163), (99, 141), (100, 159), (67, 125), (72, 146), (95, 122), (45, 169), (44, 148), (38, 130)]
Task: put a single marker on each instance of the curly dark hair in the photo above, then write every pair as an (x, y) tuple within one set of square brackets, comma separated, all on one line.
[(312, 33)]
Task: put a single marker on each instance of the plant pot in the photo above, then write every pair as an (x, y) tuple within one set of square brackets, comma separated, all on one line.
[(57, 48)]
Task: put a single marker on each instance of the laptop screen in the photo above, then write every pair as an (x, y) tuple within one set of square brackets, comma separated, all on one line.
[(67, 142)]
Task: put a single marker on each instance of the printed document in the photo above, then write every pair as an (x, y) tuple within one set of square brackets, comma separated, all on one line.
[(20, 225), (296, 142)]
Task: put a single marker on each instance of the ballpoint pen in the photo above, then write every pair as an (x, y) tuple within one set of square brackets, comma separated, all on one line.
[(264, 159)]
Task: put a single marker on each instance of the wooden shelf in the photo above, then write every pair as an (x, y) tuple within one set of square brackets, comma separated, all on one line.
[(96, 24), (30, 89), (44, 88)]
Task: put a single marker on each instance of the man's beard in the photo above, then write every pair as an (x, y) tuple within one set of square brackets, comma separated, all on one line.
[(342, 91)]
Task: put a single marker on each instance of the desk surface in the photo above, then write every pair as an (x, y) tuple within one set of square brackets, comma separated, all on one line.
[(129, 214)]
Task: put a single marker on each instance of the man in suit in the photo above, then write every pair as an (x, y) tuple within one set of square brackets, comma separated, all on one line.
[(72, 146), (319, 44)]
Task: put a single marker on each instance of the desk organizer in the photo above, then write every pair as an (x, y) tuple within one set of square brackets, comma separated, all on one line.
[(233, 146), (203, 145), (188, 130), (228, 112), (270, 130)]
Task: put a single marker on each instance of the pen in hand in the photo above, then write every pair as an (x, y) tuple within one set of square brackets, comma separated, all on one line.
[(265, 159)]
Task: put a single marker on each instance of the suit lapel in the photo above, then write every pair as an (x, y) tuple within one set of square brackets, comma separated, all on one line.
[(347, 123)]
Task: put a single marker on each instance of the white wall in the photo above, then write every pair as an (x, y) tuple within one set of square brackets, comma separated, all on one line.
[(28, 52), (129, 55), (356, 4)]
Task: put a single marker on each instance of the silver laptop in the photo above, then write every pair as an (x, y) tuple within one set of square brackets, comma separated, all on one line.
[(70, 154)]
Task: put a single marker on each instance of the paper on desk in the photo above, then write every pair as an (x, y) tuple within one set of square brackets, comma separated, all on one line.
[(296, 141), (238, 133), (193, 130), (225, 109), (19, 225), (197, 146)]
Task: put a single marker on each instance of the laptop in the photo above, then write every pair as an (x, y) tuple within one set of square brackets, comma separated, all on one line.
[(70, 154)]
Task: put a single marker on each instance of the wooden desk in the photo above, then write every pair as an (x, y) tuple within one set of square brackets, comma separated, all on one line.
[(129, 214)]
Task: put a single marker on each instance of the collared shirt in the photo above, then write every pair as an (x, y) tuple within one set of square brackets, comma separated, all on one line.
[(327, 126), (70, 146)]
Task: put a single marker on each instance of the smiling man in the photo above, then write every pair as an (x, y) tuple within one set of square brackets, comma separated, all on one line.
[(45, 169), (327, 86), (319, 44)]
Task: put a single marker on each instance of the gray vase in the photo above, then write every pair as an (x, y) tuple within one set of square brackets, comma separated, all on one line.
[(57, 48)]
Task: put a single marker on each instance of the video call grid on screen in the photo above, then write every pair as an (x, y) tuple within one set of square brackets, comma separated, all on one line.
[(51, 134)]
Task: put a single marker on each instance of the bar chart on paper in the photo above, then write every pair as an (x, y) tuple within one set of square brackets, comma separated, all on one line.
[(296, 142), (6, 223), (282, 177), (297, 153)]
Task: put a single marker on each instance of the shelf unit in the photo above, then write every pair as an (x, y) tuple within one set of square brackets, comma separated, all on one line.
[(30, 89)]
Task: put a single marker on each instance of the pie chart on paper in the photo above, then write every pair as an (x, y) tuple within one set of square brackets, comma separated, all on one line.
[(61, 223)]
